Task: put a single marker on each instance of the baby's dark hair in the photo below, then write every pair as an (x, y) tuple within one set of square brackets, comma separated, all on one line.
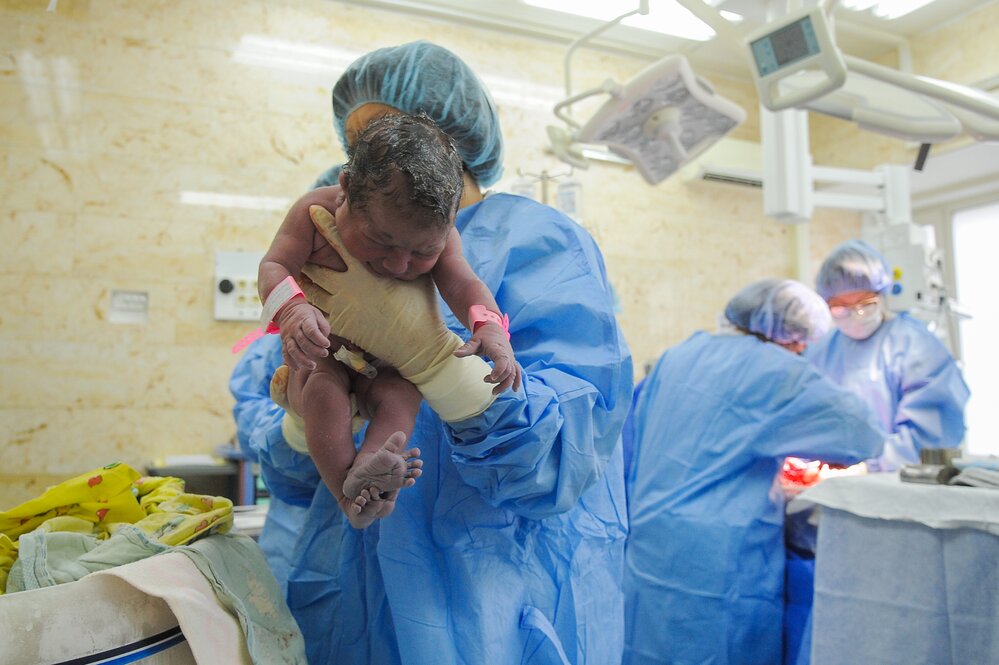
[(406, 161)]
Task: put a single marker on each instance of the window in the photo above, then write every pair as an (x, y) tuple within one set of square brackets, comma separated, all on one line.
[(976, 245)]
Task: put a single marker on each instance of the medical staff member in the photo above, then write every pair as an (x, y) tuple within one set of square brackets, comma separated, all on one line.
[(509, 549), (711, 425), (892, 362)]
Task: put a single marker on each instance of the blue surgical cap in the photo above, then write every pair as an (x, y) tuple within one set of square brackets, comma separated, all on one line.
[(330, 176), (782, 310), (853, 266), (423, 77)]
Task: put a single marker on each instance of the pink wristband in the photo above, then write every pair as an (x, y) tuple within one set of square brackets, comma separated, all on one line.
[(279, 296), (286, 290), (480, 314)]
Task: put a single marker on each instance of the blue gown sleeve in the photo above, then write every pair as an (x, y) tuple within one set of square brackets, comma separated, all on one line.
[(931, 396), (329, 177), (806, 413), (535, 451), (289, 475), (812, 417), (628, 436)]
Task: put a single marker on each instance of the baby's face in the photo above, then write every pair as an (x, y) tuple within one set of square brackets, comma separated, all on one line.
[(388, 243)]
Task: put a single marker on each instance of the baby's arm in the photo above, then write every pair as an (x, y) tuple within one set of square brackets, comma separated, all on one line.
[(304, 329), (461, 288)]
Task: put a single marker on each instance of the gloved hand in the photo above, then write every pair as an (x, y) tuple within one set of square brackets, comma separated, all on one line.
[(398, 321)]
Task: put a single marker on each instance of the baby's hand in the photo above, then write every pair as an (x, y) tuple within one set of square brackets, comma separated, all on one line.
[(304, 334), (490, 340)]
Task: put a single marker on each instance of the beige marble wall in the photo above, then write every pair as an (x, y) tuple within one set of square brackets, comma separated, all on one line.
[(109, 109)]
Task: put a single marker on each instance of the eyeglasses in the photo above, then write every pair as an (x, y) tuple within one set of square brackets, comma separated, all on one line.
[(859, 310)]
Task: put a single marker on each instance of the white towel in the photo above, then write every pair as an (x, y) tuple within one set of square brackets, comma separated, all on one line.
[(213, 634)]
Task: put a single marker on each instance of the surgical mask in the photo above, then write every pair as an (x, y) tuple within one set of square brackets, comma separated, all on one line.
[(860, 324)]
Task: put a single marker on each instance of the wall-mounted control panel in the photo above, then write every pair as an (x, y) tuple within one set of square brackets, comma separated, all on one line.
[(235, 286)]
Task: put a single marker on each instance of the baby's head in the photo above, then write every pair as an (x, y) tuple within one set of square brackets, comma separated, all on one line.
[(403, 182)]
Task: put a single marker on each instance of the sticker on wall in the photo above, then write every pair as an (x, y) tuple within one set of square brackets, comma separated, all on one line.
[(129, 307)]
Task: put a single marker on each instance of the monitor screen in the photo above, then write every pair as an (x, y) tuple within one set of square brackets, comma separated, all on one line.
[(785, 46)]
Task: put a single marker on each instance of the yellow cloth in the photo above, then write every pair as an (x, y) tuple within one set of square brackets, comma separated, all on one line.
[(99, 501)]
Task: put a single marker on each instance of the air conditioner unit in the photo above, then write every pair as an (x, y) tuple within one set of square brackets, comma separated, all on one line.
[(729, 161)]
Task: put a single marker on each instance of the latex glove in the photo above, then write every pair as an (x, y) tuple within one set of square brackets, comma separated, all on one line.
[(491, 340), (399, 322), (304, 334)]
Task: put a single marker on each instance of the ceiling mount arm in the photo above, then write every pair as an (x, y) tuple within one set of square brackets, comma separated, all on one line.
[(643, 9), (964, 97), (713, 18), (609, 87)]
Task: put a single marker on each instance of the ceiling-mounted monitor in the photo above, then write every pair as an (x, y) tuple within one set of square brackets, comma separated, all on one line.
[(798, 42)]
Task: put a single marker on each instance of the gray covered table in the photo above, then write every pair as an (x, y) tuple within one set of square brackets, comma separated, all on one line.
[(905, 573)]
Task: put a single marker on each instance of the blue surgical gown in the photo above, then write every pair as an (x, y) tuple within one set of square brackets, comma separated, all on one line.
[(509, 548), (704, 562), (254, 413), (910, 380)]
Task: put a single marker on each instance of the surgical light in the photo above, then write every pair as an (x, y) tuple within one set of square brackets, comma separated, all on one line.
[(658, 121), (661, 119)]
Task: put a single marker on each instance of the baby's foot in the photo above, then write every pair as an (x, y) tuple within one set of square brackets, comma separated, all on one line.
[(363, 510), (386, 470)]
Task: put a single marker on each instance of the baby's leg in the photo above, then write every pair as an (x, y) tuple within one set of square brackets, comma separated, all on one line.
[(382, 466), (327, 415), (390, 403)]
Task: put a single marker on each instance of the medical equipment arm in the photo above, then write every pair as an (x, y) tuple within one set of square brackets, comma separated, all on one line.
[(536, 451)]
